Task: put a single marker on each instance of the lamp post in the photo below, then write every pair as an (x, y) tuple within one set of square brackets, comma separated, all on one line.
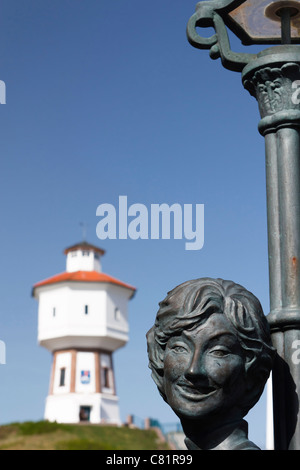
[(273, 78)]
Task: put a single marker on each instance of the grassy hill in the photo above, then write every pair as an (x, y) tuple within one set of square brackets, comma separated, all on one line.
[(42, 435)]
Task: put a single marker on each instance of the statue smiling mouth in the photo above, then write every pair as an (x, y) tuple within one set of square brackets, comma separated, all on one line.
[(192, 392)]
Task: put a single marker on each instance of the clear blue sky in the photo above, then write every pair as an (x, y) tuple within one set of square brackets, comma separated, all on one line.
[(107, 98)]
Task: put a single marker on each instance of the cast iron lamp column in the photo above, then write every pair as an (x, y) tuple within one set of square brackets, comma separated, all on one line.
[(272, 84), (273, 78)]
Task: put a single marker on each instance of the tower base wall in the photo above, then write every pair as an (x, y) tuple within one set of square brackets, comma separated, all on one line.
[(95, 408)]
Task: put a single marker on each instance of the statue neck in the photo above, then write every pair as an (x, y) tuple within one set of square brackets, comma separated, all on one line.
[(228, 436)]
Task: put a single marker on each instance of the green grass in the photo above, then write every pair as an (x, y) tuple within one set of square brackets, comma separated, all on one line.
[(29, 428), (43, 435)]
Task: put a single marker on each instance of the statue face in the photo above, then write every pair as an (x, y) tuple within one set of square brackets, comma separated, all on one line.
[(204, 370)]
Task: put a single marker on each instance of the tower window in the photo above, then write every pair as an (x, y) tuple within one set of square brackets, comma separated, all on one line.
[(106, 377), (85, 253), (54, 311), (62, 377), (117, 314), (86, 309)]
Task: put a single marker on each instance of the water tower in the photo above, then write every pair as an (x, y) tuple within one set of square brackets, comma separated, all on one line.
[(82, 320)]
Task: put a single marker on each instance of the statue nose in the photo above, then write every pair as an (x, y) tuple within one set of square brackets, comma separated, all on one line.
[(196, 369)]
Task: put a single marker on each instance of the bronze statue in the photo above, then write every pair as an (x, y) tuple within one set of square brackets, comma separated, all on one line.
[(210, 354)]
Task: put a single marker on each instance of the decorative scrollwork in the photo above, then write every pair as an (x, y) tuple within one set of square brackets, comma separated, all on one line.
[(208, 14)]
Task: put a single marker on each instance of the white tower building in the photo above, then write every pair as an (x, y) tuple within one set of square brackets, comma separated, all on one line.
[(82, 320)]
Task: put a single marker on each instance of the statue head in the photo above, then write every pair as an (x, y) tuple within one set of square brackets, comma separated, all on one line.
[(210, 350)]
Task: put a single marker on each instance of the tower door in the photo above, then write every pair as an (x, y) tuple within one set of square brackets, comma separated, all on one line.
[(84, 413)]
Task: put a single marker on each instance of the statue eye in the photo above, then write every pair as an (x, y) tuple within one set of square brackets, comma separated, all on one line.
[(178, 348), (220, 352)]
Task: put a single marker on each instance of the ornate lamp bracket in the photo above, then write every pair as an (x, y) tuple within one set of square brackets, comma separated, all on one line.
[(209, 14)]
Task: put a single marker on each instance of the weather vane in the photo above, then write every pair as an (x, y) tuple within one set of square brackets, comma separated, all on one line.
[(84, 230)]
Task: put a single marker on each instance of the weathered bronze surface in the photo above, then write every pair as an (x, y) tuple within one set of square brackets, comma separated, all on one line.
[(210, 354)]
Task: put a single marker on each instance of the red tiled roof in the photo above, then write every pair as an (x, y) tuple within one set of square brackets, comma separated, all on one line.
[(82, 276)]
